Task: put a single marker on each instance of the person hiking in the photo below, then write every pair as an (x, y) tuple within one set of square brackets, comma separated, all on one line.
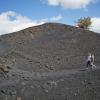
[(92, 61), (88, 63)]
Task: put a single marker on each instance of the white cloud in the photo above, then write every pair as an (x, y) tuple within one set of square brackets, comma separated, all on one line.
[(71, 4), (11, 22), (95, 24), (56, 18)]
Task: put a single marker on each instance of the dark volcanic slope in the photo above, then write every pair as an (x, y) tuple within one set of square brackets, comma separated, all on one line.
[(49, 46), (47, 63)]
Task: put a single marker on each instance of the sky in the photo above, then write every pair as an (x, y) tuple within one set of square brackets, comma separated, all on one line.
[(16, 15)]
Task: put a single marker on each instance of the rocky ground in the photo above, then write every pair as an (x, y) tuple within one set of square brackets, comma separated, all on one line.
[(76, 84), (48, 62)]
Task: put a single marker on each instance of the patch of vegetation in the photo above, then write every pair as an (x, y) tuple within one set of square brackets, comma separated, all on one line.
[(84, 22)]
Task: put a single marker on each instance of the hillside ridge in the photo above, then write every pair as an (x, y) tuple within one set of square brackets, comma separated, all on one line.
[(48, 46), (48, 62)]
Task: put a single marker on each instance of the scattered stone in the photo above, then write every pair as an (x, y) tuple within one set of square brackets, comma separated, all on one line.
[(52, 83), (25, 78), (4, 67), (3, 91), (58, 58), (89, 83), (51, 68), (46, 90), (13, 92), (75, 94), (8, 91)]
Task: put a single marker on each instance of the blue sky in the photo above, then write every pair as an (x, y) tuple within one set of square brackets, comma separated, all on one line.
[(19, 14)]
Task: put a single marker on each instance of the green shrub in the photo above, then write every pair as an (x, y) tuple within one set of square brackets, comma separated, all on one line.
[(84, 22)]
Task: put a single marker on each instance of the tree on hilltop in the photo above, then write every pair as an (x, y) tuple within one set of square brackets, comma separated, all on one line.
[(84, 23)]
